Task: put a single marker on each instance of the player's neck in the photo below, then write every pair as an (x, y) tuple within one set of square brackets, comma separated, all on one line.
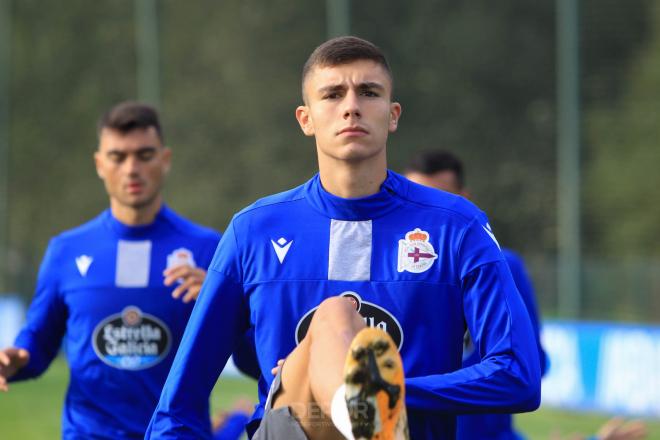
[(352, 180), (132, 216)]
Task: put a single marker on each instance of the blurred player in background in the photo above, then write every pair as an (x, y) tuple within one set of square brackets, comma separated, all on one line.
[(443, 170), (356, 246), (118, 290)]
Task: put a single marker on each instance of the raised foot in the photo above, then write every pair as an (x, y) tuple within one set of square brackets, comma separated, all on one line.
[(375, 389)]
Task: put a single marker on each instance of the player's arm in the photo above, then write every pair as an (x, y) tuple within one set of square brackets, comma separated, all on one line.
[(526, 288), (218, 320), (40, 338), (245, 355), (507, 379), (190, 283)]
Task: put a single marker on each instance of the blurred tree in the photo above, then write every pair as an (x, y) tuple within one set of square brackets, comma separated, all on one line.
[(621, 190), (68, 64), (475, 77), (478, 78), (231, 88), (231, 73)]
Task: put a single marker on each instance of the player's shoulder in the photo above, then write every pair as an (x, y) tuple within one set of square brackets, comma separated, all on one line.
[(273, 202), (72, 239), (435, 200), (513, 259), (84, 231), (512, 255), (189, 228)]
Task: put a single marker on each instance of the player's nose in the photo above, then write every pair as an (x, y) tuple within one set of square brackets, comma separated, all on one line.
[(351, 105), (132, 165)]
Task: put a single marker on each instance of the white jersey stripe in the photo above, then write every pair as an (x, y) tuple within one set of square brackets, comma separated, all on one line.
[(350, 251), (133, 263)]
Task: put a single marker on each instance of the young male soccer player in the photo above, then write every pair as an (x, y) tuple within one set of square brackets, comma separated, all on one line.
[(117, 289), (443, 170), (299, 266)]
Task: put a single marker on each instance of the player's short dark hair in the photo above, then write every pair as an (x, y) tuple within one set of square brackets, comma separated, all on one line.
[(128, 116), (344, 50), (436, 161)]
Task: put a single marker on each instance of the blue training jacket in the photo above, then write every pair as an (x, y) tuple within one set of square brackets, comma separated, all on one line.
[(500, 426), (100, 290), (422, 264)]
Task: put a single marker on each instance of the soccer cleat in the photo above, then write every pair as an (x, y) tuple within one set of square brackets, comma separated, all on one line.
[(375, 390)]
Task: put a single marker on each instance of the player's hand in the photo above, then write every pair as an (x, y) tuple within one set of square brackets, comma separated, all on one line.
[(242, 405), (190, 278), (276, 368), (11, 360), (618, 429)]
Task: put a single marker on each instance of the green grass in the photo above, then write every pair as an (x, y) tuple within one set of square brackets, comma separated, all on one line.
[(550, 423), (31, 410)]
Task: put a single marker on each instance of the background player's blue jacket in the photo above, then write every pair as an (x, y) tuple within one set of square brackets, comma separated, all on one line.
[(100, 289), (422, 264), (500, 426)]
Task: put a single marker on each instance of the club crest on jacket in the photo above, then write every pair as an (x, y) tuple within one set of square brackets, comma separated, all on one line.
[(416, 253)]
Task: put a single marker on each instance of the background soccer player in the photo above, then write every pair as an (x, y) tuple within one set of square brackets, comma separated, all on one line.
[(443, 170), (117, 290), (416, 262)]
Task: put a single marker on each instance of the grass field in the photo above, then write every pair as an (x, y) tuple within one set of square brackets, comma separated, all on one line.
[(31, 410)]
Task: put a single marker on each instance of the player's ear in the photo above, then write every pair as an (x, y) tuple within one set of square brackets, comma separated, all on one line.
[(98, 164), (304, 119), (395, 114), (167, 159)]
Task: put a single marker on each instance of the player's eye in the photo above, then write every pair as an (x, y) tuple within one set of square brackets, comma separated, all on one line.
[(331, 95), (116, 157), (370, 93), (146, 155)]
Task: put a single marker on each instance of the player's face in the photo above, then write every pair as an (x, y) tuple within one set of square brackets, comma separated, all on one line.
[(132, 166), (348, 110), (444, 180)]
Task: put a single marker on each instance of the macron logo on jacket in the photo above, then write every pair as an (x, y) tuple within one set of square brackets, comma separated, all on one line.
[(281, 248), (83, 262)]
